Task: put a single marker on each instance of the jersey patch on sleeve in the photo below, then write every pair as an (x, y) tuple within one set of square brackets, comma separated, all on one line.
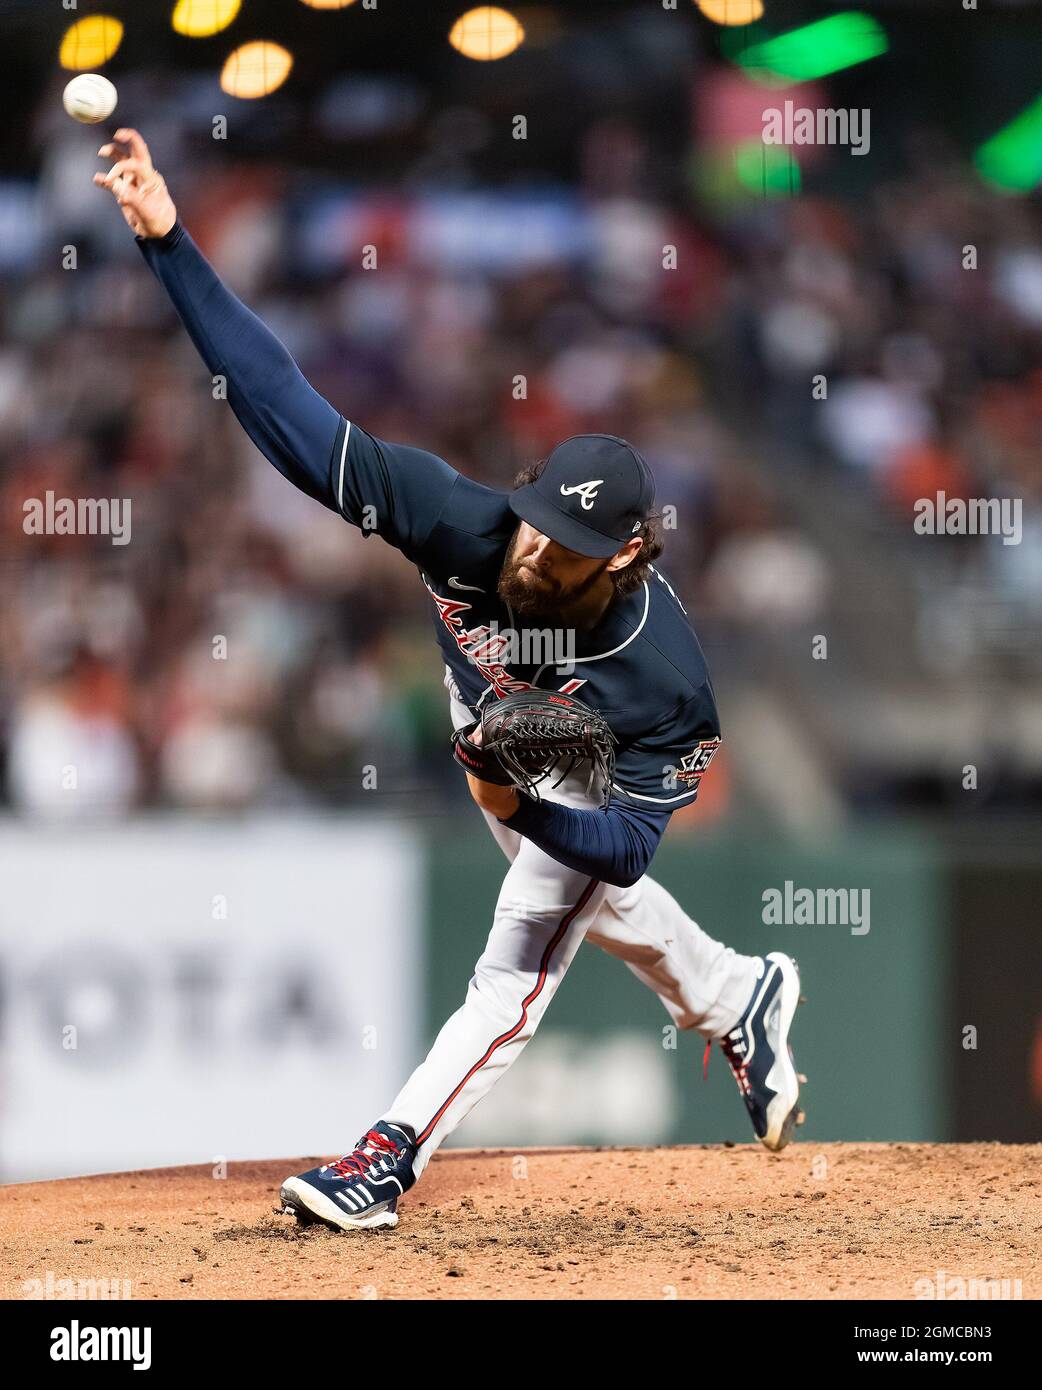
[(693, 764)]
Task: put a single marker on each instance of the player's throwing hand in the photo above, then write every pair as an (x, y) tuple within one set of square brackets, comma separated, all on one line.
[(134, 182)]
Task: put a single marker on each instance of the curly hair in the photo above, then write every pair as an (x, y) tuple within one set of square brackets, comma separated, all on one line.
[(633, 575)]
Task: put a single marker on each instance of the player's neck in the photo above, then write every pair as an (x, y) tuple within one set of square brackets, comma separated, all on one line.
[(586, 612)]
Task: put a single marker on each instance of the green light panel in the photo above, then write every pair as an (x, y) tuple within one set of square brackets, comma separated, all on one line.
[(815, 50)]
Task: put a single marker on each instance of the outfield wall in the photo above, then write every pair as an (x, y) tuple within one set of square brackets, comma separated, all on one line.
[(192, 992), (875, 1037), (180, 992)]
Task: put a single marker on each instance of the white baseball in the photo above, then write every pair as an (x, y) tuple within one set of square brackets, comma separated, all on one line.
[(89, 98)]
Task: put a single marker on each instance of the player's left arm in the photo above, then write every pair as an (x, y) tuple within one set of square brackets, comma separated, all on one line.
[(614, 846), (654, 776)]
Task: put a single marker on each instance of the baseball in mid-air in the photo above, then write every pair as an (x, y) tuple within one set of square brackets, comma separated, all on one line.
[(89, 98)]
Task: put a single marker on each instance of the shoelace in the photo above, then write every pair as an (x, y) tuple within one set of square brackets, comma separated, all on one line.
[(356, 1165), (732, 1047)]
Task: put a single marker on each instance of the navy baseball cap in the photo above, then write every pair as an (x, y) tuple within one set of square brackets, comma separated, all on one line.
[(591, 497)]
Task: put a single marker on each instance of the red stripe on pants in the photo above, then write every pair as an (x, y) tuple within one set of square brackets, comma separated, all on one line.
[(544, 965)]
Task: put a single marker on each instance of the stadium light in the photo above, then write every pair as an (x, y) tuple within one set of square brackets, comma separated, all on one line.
[(198, 19), (1012, 158), (90, 42), (769, 170), (255, 69), (815, 50), (731, 12), (486, 34)]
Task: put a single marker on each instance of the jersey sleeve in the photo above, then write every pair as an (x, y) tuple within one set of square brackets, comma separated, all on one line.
[(394, 491), (615, 846), (663, 770)]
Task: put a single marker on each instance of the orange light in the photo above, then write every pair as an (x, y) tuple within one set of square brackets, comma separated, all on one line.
[(255, 69), (198, 19), (486, 34), (90, 42), (731, 11), (328, 4)]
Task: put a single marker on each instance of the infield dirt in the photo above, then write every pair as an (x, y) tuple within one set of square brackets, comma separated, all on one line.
[(825, 1221)]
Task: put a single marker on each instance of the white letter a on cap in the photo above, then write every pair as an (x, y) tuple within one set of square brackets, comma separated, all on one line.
[(587, 491)]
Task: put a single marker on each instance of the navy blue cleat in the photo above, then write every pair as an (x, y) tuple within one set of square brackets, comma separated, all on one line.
[(360, 1190), (758, 1053)]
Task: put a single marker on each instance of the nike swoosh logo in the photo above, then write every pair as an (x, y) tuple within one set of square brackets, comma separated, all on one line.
[(454, 583)]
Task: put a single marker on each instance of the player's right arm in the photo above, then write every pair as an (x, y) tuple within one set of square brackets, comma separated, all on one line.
[(395, 490)]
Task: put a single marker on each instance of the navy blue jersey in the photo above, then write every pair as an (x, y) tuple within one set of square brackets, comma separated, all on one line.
[(641, 667)]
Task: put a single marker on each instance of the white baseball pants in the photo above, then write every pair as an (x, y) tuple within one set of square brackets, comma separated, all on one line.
[(543, 913)]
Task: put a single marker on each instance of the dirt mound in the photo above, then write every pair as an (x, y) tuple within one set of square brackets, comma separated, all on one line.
[(832, 1220)]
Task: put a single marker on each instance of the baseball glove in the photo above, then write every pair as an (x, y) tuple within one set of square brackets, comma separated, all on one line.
[(528, 735)]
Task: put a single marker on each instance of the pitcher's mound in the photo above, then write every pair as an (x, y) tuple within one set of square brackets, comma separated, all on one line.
[(825, 1221)]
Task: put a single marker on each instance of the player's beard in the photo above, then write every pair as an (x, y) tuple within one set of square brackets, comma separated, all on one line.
[(534, 593)]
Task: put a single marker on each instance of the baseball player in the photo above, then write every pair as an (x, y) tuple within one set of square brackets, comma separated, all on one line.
[(569, 551)]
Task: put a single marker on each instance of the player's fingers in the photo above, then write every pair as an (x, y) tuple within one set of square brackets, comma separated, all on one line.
[(127, 196), (128, 169), (127, 136), (115, 150), (146, 182), (117, 187)]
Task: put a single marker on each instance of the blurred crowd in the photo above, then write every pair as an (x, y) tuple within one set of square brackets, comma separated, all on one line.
[(916, 312), (246, 648)]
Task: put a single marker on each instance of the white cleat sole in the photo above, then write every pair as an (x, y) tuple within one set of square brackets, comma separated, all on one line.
[(783, 1112), (302, 1197)]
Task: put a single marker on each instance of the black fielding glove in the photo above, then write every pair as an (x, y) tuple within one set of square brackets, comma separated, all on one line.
[(528, 735), (480, 763)]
